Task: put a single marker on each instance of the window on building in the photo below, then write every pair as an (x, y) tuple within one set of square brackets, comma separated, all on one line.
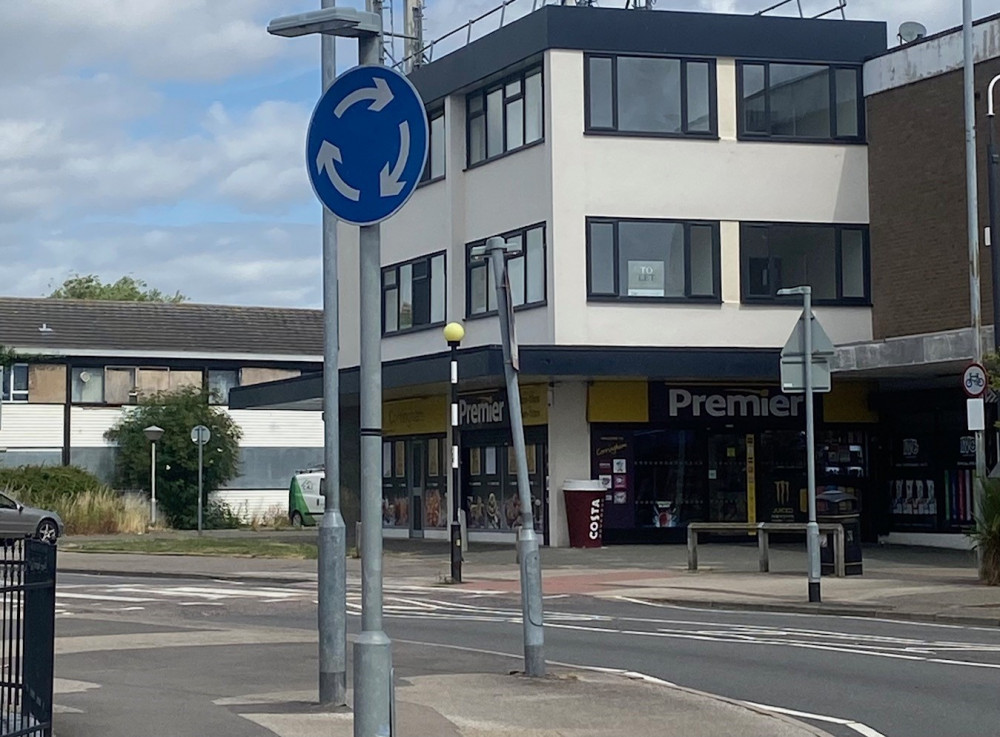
[(809, 102), (832, 259), (14, 380), (413, 294), (87, 386), (504, 116), (434, 168), (651, 95), (220, 381), (525, 272), (669, 260)]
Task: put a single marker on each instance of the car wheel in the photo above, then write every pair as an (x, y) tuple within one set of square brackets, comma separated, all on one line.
[(47, 531), (296, 519)]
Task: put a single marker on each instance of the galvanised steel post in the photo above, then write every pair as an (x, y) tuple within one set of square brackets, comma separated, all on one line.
[(373, 690), (812, 528), (332, 555), (531, 569), (453, 333)]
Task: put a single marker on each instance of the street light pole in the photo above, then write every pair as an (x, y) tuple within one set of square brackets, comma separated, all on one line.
[(152, 433), (531, 571), (453, 333), (812, 528), (332, 535), (993, 162)]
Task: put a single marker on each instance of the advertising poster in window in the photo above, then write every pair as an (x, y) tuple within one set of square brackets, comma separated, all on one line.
[(912, 486), (645, 279), (611, 463)]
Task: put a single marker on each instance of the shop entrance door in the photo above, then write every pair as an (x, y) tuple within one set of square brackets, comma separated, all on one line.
[(727, 477), (416, 481)]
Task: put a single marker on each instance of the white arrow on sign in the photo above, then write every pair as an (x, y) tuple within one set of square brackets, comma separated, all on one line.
[(380, 95), (328, 154), (388, 181)]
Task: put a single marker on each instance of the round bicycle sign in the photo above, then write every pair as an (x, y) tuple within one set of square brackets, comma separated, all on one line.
[(974, 380)]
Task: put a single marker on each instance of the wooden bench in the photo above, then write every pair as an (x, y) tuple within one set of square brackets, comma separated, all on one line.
[(763, 529)]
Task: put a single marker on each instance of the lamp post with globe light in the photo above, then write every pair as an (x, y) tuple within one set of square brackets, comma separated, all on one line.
[(453, 333), (152, 433)]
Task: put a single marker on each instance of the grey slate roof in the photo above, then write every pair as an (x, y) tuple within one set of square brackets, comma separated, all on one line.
[(159, 327)]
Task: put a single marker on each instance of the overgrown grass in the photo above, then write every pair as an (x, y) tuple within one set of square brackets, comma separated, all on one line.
[(986, 536), (101, 511), (199, 546), (274, 518)]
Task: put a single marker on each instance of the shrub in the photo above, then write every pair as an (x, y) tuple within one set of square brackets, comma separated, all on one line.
[(986, 535), (47, 484)]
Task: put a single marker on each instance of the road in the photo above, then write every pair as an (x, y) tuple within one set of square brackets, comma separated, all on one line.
[(869, 677)]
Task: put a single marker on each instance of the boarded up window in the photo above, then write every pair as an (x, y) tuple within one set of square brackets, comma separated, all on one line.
[(119, 385), (149, 381), (250, 376), (47, 384), (184, 379)]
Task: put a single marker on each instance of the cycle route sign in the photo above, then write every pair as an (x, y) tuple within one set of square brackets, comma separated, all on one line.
[(974, 380), (367, 144)]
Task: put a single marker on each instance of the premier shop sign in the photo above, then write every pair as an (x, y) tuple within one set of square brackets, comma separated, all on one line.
[(733, 404)]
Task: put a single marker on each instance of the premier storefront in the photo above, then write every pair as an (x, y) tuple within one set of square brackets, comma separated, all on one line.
[(416, 464), (669, 454)]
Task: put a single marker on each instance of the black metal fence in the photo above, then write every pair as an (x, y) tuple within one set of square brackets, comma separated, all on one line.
[(27, 637)]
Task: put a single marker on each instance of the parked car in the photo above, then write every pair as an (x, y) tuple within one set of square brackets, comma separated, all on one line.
[(18, 520)]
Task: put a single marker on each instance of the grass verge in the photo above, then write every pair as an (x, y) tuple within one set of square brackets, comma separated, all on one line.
[(196, 546)]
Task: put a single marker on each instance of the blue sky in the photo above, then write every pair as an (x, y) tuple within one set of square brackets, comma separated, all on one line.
[(164, 138)]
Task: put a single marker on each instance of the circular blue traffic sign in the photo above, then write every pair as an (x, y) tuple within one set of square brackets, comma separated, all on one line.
[(367, 144)]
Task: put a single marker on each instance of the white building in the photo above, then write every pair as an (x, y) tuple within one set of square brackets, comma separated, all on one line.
[(86, 362), (664, 173)]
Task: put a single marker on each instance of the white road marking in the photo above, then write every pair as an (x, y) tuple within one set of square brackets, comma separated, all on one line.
[(862, 729), (99, 597)]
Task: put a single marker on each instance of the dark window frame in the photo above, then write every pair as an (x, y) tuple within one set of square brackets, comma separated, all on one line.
[(840, 300), (471, 266), (429, 258), (713, 98), (743, 135), (715, 298), (425, 176), (8, 393), (483, 93)]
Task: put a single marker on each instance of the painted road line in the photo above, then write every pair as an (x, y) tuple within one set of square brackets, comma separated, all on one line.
[(101, 597), (862, 729)]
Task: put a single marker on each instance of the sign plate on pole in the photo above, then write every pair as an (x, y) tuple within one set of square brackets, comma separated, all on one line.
[(200, 434), (793, 359), (367, 144), (974, 380)]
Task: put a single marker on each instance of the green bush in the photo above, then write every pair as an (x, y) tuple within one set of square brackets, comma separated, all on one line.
[(986, 536), (49, 484)]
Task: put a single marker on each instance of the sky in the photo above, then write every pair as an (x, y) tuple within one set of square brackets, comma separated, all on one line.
[(164, 139)]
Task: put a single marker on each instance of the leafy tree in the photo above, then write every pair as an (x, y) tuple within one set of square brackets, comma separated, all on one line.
[(126, 289), (177, 413)]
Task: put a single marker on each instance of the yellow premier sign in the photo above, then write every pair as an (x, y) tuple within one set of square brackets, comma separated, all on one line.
[(421, 416)]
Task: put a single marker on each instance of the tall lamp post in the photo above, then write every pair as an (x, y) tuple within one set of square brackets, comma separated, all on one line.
[(993, 163), (152, 433), (453, 333), (497, 250)]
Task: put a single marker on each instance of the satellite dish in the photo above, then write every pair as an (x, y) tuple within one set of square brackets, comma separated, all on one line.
[(911, 31)]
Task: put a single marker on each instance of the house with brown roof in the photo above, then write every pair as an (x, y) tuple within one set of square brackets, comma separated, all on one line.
[(84, 361)]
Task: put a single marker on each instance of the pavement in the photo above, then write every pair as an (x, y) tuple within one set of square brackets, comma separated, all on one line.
[(898, 583)]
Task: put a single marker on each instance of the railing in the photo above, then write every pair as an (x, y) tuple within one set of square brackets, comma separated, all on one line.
[(840, 5), (27, 637), (763, 529)]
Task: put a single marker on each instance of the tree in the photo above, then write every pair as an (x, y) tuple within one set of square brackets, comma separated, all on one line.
[(126, 289), (177, 413)]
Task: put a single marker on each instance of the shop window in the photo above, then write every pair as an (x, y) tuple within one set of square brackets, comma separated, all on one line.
[(662, 260), (505, 116), (800, 102), (413, 294), (651, 95), (14, 379), (832, 259), (434, 168), (220, 381), (525, 272)]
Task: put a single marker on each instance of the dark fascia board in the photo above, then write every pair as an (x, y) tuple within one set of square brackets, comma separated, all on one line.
[(614, 30), (735, 365)]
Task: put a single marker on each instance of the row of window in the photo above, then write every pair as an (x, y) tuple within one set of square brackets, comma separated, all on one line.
[(123, 384), (637, 260), (667, 96)]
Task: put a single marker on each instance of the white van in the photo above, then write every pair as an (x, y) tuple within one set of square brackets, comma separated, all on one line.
[(305, 497)]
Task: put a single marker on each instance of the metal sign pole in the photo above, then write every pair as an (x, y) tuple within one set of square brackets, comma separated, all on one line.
[(531, 571), (812, 529), (201, 475), (332, 534)]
